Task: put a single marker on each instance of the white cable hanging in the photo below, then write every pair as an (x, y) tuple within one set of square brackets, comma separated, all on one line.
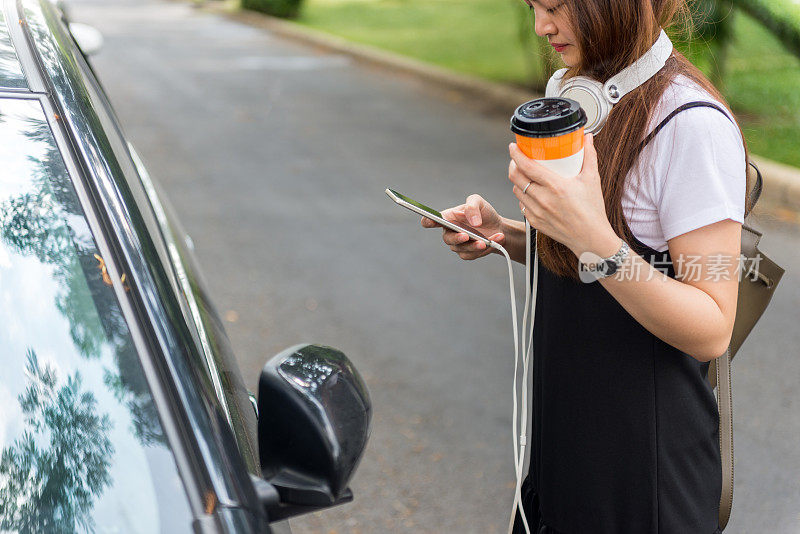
[(522, 344)]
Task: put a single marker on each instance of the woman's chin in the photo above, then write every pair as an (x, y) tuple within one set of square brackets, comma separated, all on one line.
[(568, 61)]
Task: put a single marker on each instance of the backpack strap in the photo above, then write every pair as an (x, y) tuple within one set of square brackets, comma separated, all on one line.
[(720, 366), (755, 193)]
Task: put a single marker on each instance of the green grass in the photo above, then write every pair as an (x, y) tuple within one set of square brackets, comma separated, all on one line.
[(478, 37), (494, 39), (762, 87)]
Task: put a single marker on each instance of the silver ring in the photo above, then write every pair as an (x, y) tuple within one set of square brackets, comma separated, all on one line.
[(523, 210), (526, 188)]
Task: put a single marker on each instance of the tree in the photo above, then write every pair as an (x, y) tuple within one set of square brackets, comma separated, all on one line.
[(712, 23), (781, 17), (48, 223), (52, 488)]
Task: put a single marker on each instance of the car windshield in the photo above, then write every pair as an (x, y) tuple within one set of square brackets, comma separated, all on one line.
[(81, 445)]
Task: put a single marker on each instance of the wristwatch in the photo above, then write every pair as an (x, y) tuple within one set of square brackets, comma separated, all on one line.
[(614, 262)]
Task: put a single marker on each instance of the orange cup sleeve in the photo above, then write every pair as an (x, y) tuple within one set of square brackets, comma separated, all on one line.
[(544, 148)]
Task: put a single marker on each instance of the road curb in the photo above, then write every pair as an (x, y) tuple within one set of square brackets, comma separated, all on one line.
[(781, 194)]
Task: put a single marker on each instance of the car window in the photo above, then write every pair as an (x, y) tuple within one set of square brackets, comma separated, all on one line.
[(81, 444), (99, 145), (11, 76)]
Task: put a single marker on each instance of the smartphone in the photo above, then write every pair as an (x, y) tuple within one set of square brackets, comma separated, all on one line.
[(434, 215)]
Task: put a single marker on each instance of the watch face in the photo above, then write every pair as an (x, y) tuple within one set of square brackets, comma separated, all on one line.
[(611, 268)]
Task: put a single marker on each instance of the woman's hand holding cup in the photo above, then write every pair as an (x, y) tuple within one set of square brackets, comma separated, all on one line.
[(477, 213), (570, 210)]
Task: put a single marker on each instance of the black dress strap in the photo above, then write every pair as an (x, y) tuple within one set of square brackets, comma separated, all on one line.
[(753, 195)]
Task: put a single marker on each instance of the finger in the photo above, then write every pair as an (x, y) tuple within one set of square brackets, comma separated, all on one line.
[(529, 198), (473, 210), (470, 246), (499, 238), (454, 238), (429, 223), (530, 169), (465, 252), (531, 208), (469, 256), (454, 214), (516, 176), (589, 156)]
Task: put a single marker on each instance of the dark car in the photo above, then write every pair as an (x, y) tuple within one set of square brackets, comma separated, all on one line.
[(122, 408)]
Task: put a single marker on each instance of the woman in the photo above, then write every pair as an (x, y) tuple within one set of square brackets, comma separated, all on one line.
[(625, 433)]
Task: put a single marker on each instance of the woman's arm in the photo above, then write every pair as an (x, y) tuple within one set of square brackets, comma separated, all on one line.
[(694, 314)]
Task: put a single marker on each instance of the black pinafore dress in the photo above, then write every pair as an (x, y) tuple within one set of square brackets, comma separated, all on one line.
[(625, 435)]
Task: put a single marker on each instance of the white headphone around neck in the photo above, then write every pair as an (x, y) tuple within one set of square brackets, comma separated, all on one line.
[(597, 98)]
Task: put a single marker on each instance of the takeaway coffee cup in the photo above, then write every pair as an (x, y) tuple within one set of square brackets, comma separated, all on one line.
[(550, 131)]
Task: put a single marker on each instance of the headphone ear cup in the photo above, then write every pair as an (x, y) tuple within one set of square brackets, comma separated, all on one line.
[(589, 94)]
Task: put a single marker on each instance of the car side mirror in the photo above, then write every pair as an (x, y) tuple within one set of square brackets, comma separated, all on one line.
[(313, 426), (89, 38)]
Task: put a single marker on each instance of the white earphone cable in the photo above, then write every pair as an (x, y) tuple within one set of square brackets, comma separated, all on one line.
[(525, 342)]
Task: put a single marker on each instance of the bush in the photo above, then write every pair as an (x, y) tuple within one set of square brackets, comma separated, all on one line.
[(287, 9), (781, 17), (712, 24)]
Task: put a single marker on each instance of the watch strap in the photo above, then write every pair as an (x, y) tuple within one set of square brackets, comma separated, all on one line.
[(617, 259), (621, 254)]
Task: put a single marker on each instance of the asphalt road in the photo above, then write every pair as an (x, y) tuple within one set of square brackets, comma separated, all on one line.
[(276, 156)]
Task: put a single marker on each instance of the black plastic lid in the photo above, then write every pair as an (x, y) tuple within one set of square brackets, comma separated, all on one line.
[(548, 117)]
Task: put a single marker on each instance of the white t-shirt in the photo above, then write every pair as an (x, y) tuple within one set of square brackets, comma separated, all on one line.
[(690, 175)]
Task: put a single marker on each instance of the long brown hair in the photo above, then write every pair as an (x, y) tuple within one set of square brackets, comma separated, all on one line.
[(611, 35)]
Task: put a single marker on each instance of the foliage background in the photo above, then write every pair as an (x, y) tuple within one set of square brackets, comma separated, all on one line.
[(749, 48)]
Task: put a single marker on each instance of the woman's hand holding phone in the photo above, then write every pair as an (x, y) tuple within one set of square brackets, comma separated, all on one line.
[(479, 214)]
